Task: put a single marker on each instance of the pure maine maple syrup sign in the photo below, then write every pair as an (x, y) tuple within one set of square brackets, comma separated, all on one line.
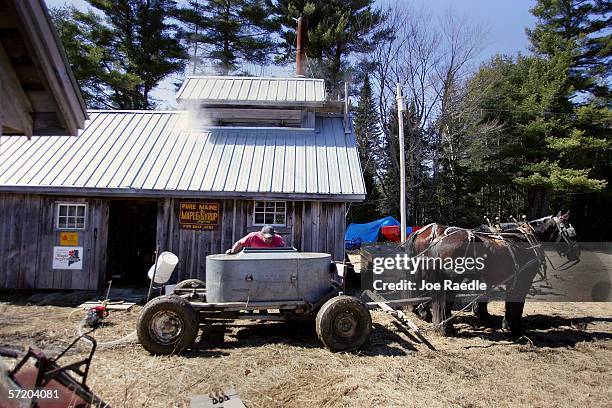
[(195, 215)]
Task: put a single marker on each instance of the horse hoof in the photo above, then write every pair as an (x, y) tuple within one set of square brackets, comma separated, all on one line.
[(423, 311), (513, 331), (446, 330), (481, 312)]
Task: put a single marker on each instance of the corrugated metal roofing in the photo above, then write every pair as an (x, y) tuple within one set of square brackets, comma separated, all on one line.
[(155, 153), (250, 90)]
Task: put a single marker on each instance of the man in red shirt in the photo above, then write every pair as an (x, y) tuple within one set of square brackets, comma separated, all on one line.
[(266, 238)]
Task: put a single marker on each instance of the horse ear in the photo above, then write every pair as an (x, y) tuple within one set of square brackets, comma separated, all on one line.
[(566, 216), (559, 214)]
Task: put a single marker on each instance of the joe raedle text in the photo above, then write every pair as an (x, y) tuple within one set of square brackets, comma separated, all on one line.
[(403, 263)]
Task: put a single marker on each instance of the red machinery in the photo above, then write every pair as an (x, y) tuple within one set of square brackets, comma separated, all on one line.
[(392, 232)]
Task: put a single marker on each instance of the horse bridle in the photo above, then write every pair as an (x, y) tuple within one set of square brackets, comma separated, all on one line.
[(567, 235)]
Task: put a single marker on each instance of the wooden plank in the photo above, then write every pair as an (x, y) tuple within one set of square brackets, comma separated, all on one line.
[(297, 224), (30, 241), (14, 252), (330, 234), (79, 279), (324, 225), (7, 19), (4, 241), (201, 249), (44, 274), (400, 316), (339, 229), (315, 223), (227, 225), (307, 226), (102, 244), (14, 104)]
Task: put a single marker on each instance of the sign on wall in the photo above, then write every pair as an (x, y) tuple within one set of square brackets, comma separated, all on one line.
[(68, 257), (194, 215), (69, 238)]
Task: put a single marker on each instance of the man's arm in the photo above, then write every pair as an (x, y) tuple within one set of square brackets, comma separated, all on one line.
[(238, 245), (235, 249)]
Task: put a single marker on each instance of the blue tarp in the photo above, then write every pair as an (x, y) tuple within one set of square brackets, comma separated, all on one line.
[(368, 232)]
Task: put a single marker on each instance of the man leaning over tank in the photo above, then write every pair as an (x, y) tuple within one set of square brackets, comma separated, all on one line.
[(266, 238)]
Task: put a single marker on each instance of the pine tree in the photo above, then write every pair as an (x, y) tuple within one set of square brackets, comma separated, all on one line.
[(580, 28), (368, 136), (231, 32), (193, 23), (123, 54), (337, 29)]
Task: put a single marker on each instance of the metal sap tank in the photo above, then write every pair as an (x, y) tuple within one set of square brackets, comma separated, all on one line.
[(268, 275)]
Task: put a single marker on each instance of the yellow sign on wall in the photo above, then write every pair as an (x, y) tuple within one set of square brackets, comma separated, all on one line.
[(69, 238), (199, 215)]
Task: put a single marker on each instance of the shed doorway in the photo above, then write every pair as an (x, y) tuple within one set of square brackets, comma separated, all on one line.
[(132, 231)]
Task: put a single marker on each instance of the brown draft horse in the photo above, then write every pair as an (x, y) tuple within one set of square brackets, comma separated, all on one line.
[(512, 258), (546, 229)]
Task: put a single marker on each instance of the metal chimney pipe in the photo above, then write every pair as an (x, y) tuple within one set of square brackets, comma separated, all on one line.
[(300, 56)]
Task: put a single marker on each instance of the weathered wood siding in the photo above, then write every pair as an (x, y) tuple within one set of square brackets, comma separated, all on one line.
[(28, 235), (311, 226)]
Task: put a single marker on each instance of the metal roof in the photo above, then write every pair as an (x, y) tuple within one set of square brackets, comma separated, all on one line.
[(151, 153), (215, 90)]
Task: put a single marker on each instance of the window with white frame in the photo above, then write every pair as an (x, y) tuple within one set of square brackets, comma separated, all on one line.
[(270, 213), (71, 216)]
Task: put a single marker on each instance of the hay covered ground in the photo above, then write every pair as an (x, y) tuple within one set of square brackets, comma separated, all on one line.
[(565, 360)]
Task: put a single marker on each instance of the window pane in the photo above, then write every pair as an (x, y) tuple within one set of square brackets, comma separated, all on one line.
[(259, 205), (63, 210), (280, 206), (81, 211), (279, 219), (269, 205), (269, 218), (259, 218), (80, 224), (72, 210)]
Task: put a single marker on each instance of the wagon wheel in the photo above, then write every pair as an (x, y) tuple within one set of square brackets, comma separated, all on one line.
[(167, 325), (190, 284), (343, 323)]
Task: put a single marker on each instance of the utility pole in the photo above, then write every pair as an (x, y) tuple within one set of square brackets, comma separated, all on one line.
[(401, 108)]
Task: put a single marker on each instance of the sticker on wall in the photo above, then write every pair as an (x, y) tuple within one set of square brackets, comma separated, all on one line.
[(68, 258), (69, 238), (199, 215)]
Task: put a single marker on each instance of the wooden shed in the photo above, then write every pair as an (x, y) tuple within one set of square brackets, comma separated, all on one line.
[(76, 212)]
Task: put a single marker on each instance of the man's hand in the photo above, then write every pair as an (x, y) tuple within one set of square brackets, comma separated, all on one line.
[(229, 252)]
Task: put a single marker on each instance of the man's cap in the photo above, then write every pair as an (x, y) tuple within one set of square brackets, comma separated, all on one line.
[(267, 231)]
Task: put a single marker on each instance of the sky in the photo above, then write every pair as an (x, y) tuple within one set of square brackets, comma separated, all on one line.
[(503, 20)]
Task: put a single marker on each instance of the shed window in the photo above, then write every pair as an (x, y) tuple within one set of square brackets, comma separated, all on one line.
[(71, 215), (270, 213)]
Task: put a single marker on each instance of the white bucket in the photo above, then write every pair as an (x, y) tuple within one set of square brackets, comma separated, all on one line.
[(165, 266)]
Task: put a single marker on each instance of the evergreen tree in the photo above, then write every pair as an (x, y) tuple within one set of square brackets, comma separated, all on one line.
[(540, 145), (233, 32), (193, 23), (123, 54), (368, 135), (581, 29), (337, 29)]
